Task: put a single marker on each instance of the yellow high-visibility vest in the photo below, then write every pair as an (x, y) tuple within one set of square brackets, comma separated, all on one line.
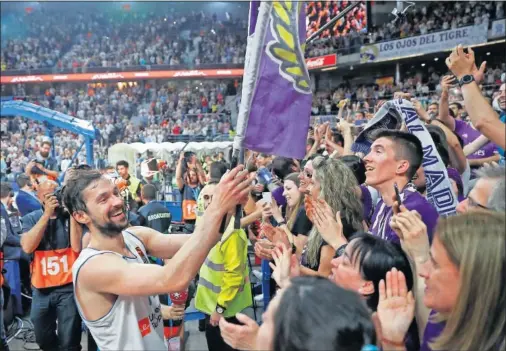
[(224, 276), (134, 185)]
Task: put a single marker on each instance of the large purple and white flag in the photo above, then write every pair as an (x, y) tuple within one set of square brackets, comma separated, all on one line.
[(276, 97)]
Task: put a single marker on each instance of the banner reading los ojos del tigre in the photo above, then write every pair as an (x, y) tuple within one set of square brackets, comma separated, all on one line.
[(423, 44)]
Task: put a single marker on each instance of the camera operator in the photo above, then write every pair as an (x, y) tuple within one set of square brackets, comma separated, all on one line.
[(190, 179), (53, 238), (156, 216), (149, 171), (134, 184), (149, 178), (43, 166)]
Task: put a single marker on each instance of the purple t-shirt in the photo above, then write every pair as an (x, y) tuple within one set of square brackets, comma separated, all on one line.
[(366, 199), (277, 194), (468, 135), (432, 331), (412, 200)]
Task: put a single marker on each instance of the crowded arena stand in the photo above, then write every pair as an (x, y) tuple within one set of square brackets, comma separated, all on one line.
[(318, 175)]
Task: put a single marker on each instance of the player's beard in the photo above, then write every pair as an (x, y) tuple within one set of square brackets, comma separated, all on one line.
[(111, 229)]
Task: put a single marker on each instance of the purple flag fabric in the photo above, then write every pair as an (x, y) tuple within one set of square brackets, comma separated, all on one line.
[(280, 100), (253, 16)]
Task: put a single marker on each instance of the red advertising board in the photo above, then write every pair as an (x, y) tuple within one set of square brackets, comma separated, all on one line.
[(121, 76), (312, 63), (321, 61)]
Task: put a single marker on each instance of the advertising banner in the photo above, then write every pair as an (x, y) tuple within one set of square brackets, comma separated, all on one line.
[(312, 63), (321, 61), (121, 76), (423, 44)]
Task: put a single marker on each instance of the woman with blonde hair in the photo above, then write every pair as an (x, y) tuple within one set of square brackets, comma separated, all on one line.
[(461, 300), (335, 184)]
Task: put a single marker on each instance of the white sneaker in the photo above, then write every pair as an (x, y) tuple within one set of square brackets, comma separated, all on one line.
[(259, 298), (257, 274)]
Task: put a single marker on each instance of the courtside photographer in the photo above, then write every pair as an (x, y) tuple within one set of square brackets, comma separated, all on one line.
[(53, 239)]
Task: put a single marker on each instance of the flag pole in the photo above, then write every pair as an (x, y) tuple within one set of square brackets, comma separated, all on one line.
[(258, 26), (332, 21), (259, 14)]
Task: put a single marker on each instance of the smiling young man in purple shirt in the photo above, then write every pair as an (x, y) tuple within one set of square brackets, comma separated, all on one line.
[(394, 158)]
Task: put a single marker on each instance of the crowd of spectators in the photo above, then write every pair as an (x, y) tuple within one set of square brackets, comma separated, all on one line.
[(95, 39), (136, 113), (425, 87), (88, 40), (143, 113), (159, 40), (419, 19), (320, 13), (436, 16), (368, 222)]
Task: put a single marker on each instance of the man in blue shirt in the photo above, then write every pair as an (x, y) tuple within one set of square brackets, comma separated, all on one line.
[(156, 215), (26, 201)]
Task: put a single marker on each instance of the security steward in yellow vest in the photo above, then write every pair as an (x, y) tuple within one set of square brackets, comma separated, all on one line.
[(223, 289)]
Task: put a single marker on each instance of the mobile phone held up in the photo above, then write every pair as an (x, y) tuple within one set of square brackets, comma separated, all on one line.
[(267, 197), (397, 194)]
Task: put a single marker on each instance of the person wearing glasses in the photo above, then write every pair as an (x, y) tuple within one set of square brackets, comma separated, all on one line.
[(306, 174), (488, 193), (216, 170), (223, 289)]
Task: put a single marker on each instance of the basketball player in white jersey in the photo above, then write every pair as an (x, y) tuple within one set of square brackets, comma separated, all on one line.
[(115, 287)]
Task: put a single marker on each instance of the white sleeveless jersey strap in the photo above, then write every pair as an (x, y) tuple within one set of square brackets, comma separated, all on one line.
[(133, 322)]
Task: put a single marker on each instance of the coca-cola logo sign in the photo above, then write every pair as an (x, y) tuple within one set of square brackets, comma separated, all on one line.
[(107, 76), (316, 63), (193, 73), (24, 79), (322, 61)]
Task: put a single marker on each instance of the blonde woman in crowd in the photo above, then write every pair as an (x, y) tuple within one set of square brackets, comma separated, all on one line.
[(460, 295), (334, 183)]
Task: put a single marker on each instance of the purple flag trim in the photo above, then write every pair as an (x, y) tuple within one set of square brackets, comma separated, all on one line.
[(281, 105)]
